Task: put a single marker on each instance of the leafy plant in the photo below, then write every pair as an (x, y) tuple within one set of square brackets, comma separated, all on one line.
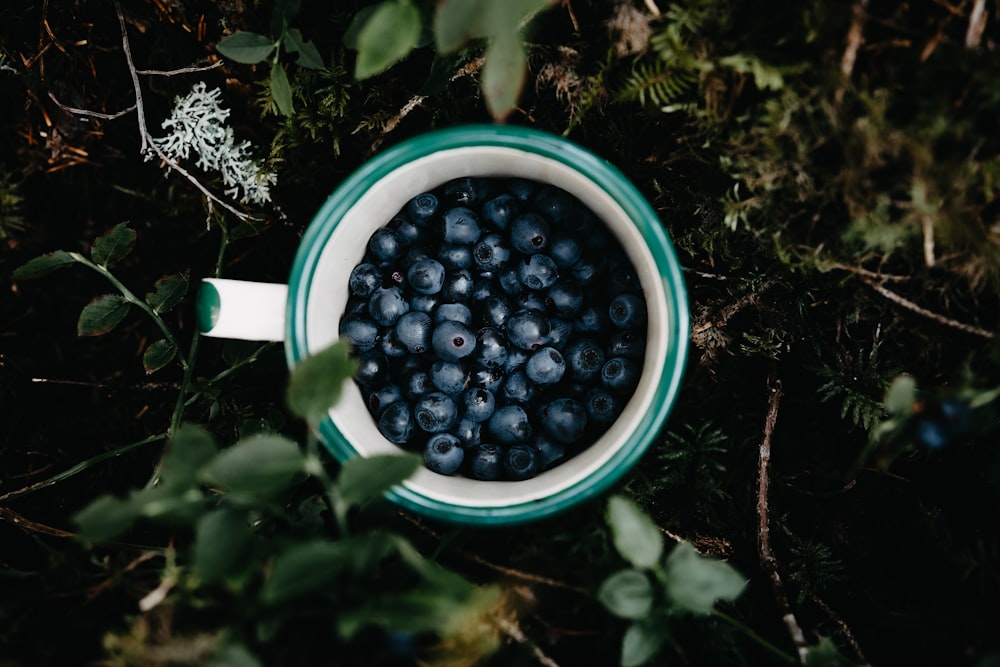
[(656, 588), (107, 311), (251, 48), (388, 32)]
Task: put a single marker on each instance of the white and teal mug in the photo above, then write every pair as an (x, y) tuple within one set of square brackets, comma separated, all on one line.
[(305, 313)]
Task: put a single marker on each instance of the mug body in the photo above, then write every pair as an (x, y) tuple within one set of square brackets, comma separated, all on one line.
[(336, 241)]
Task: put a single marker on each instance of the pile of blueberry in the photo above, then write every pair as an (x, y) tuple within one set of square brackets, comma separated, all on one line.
[(498, 325)]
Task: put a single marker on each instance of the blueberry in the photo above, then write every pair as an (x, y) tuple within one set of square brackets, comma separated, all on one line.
[(522, 189), (435, 412), (509, 425), (622, 278), (381, 398), (529, 233), (585, 358), (518, 388), (414, 331), (453, 341), (932, 434), (564, 420), (546, 366), (365, 279), (490, 378), (409, 234), (460, 225), (356, 306), (458, 286), (529, 300), (528, 329), (468, 432), (629, 344), (391, 346), (455, 256), (426, 276), (416, 383), (478, 404), (483, 462), (361, 331), (550, 453), (463, 191), (448, 376), (455, 312), (491, 253), (593, 319), (516, 358), (520, 462), (620, 375), (564, 250), (396, 423), (560, 331), (373, 368), (385, 245), (500, 210), (443, 453), (491, 348), (537, 272), (588, 270), (495, 311), (555, 203), (422, 208), (424, 303), (386, 305), (566, 297), (628, 311), (509, 282), (602, 407)]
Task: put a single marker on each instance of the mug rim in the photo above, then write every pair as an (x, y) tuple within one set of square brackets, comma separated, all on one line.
[(616, 186)]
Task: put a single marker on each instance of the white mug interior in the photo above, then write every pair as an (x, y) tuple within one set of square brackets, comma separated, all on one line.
[(328, 293)]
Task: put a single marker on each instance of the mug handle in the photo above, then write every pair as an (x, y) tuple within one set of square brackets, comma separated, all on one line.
[(241, 309)]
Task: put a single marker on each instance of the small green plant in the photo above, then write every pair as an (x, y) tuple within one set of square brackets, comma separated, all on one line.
[(250, 48), (387, 32), (656, 588)]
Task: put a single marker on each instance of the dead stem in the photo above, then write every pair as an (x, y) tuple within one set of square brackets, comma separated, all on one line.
[(977, 23), (514, 631), (844, 630), (28, 525), (855, 38), (767, 558), (941, 319)]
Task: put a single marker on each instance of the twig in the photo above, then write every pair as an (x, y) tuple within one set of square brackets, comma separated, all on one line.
[(855, 38), (928, 228), (29, 525), (844, 629), (182, 70), (977, 23), (653, 9), (512, 630), (881, 277), (146, 139), (87, 112), (568, 4), (941, 319), (767, 558)]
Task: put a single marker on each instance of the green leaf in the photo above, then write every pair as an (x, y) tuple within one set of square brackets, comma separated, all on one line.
[(189, 449), (901, 396), (168, 291), (308, 567), (43, 265), (105, 518), (281, 89), (113, 246), (364, 478), (636, 537), (695, 583), (627, 594), (223, 541), (233, 655), (503, 74), (102, 315), (458, 21), (246, 47), (825, 654), (309, 56), (158, 355), (261, 465), (357, 23), (641, 642), (388, 35), (315, 383)]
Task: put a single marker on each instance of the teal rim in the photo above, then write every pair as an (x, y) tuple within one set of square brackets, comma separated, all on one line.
[(615, 185)]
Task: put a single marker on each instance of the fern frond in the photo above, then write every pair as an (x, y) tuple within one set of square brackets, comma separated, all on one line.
[(655, 83)]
